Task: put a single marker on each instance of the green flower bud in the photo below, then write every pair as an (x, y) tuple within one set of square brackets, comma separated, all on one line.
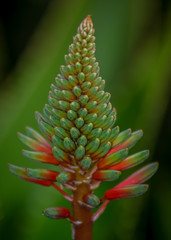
[(93, 146), (58, 142), (81, 77), (91, 77), (84, 99), (74, 106), (85, 61), (82, 140), (87, 69), (74, 132), (91, 105), (71, 115), (73, 80), (77, 91), (60, 155), (92, 200), (63, 177), (86, 129), (91, 117), (80, 152), (78, 67), (66, 124), (86, 85), (69, 144), (79, 122), (85, 163), (60, 132), (82, 112), (96, 132)]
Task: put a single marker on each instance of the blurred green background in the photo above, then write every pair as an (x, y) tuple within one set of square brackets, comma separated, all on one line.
[(133, 41)]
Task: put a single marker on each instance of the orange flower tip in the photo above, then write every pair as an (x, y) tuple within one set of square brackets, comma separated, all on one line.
[(88, 18), (56, 212), (141, 131), (117, 127)]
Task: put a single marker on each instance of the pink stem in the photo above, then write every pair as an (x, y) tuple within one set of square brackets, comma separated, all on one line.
[(66, 195), (101, 209)]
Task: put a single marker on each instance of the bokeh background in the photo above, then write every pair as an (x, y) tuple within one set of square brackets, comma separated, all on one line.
[(133, 41)]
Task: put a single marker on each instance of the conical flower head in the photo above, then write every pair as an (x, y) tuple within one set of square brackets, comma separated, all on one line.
[(79, 133), (79, 117)]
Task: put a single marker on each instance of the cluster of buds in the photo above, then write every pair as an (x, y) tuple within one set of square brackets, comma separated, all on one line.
[(80, 139)]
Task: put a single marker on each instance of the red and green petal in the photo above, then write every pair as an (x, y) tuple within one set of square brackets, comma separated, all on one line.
[(126, 192), (141, 175), (42, 174), (128, 143), (33, 144), (106, 175), (131, 161), (40, 157), (112, 159), (35, 135), (122, 137), (22, 173), (56, 212), (65, 177)]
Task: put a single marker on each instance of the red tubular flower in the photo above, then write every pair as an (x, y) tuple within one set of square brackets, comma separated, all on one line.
[(23, 174), (56, 212)]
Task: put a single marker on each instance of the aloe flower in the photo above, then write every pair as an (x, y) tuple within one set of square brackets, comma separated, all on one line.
[(80, 141)]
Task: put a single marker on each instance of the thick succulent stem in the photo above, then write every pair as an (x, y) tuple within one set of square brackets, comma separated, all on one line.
[(82, 213)]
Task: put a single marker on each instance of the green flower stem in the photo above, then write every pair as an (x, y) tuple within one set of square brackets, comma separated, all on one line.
[(101, 210)]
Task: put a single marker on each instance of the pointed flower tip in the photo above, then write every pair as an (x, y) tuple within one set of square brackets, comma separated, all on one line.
[(12, 168), (88, 19), (88, 22)]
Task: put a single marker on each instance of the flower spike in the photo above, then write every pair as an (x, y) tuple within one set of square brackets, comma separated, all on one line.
[(80, 140)]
